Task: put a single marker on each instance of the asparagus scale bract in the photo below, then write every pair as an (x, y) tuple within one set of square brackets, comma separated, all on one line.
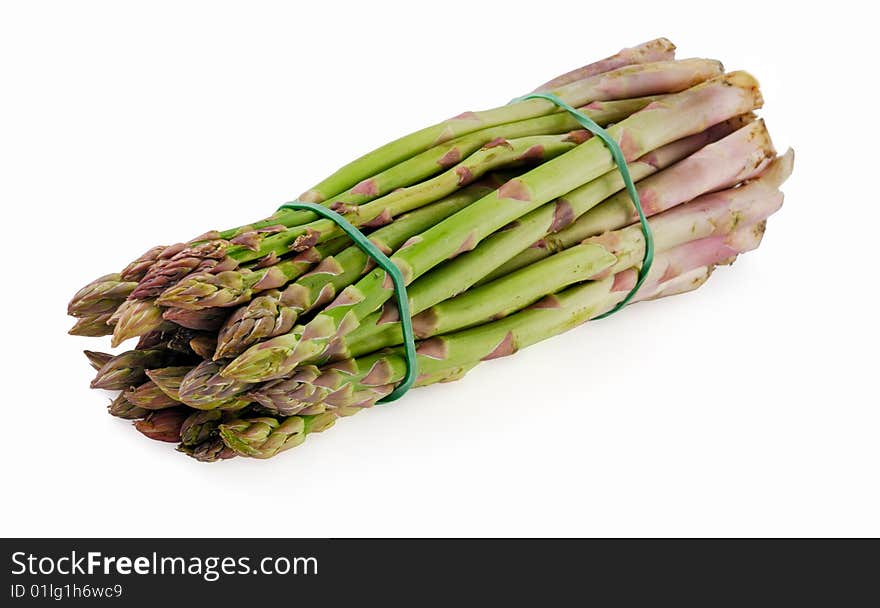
[(509, 226)]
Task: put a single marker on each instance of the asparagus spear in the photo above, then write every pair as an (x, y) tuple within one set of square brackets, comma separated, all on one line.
[(200, 435), (136, 269), (264, 437), (660, 123), (135, 318), (102, 295), (200, 426), (149, 396), (92, 326), (659, 49), (209, 450), (163, 425), (128, 368), (168, 379), (109, 291), (204, 388), (122, 408), (96, 359)]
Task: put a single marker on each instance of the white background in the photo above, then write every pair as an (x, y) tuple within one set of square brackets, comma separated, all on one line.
[(747, 408)]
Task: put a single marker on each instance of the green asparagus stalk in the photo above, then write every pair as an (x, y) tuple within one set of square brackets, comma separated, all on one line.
[(677, 116), (163, 425), (102, 295), (122, 408), (204, 388), (92, 326), (265, 437), (128, 368), (135, 318), (96, 359), (209, 450), (149, 396), (169, 379), (659, 49), (200, 426)]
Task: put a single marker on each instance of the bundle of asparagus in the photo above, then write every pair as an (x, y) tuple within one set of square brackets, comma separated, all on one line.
[(509, 226)]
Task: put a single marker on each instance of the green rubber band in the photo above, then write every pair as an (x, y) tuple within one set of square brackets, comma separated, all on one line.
[(384, 262), (620, 161)]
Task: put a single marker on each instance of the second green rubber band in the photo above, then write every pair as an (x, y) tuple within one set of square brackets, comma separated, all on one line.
[(385, 263), (620, 161)]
